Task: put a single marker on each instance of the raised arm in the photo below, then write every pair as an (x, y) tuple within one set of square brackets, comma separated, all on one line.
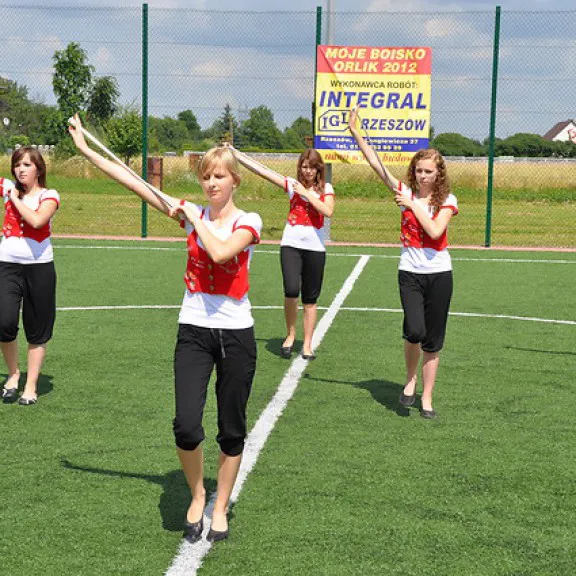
[(115, 171), (370, 154), (258, 168)]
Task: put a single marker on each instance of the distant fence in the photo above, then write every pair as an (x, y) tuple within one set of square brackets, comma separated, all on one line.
[(202, 61)]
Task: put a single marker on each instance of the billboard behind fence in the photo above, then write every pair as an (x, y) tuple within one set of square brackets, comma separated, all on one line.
[(390, 87)]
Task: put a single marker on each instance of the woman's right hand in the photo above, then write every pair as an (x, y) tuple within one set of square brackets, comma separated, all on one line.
[(77, 134), (353, 120)]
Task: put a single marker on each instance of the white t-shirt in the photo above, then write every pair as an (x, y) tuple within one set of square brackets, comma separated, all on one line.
[(305, 237), (427, 257), (217, 310), (21, 250)]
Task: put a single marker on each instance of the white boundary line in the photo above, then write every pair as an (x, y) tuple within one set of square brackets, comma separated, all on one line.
[(190, 556), (337, 254), (342, 309)]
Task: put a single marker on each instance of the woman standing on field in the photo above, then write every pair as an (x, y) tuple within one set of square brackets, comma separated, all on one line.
[(425, 270), (27, 273), (303, 245), (216, 327)]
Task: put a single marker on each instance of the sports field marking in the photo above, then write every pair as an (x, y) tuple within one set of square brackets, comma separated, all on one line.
[(337, 254), (342, 308), (189, 557)]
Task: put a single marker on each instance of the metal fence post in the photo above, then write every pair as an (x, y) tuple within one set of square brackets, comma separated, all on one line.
[(144, 218), (492, 137)]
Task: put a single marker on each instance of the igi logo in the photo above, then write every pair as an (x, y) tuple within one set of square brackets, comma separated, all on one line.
[(333, 121)]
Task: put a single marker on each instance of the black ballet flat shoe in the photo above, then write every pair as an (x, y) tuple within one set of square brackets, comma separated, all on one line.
[(309, 356), (9, 394), (27, 401), (406, 400), (193, 530), (286, 351), (217, 535), (428, 414)]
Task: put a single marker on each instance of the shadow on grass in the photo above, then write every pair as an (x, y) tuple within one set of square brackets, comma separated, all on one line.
[(274, 345), (175, 496), (560, 352), (383, 391), (45, 385)]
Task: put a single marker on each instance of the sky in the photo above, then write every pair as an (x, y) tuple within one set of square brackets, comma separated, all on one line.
[(304, 5), (246, 53)]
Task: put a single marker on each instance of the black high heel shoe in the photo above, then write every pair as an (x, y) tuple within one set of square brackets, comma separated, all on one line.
[(9, 395), (407, 400), (286, 351), (217, 535), (193, 530)]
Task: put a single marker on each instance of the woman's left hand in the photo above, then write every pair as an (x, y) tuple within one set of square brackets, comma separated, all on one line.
[(301, 190), (189, 211), (402, 199), (14, 194)]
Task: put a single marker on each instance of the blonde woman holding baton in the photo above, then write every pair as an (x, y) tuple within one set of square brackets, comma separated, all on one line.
[(216, 328)]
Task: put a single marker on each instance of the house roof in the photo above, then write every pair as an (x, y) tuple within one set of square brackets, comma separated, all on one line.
[(556, 129)]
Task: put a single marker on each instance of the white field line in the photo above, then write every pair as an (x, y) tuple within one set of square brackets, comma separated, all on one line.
[(190, 556), (338, 254), (342, 309)]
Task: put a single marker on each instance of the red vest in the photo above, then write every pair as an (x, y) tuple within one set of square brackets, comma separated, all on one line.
[(303, 213), (15, 225), (412, 234), (204, 275)]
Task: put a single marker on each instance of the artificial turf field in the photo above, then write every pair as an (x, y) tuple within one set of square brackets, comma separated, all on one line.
[(347, 482)]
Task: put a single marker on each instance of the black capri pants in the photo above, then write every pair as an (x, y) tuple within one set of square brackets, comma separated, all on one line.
[(198, 350), (426, 302), (302, 269), (32, 286)]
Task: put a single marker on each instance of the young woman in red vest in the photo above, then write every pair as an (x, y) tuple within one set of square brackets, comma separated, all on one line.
[(27, 273), (216, 327), (425, 270), (302, 249)]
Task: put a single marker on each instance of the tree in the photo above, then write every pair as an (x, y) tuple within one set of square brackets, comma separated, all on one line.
[(72, 79), (296, 134), (103, 100), (125, 133), (530, 145), (187, 116), (37, 122), (260, 130), (225, 128), (452, 144), (168, 132)]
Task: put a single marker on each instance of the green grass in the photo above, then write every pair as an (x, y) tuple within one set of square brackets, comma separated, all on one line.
[(110, 210), (347, 483), (532, 205)]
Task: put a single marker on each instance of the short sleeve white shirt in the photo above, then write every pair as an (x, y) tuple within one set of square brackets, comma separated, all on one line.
[(218, 310)]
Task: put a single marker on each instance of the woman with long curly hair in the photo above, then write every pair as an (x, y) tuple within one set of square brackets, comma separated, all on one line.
[(425, 270)]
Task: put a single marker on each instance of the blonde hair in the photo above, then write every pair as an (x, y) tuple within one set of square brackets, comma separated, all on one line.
[(219, 155), (441, 187)]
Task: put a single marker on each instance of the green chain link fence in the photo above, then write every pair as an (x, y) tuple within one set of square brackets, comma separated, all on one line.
[(233, 67)]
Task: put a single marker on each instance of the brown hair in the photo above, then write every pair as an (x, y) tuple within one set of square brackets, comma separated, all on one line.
[(216, 155), (315, 161), (35, 158), (441, 187)]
